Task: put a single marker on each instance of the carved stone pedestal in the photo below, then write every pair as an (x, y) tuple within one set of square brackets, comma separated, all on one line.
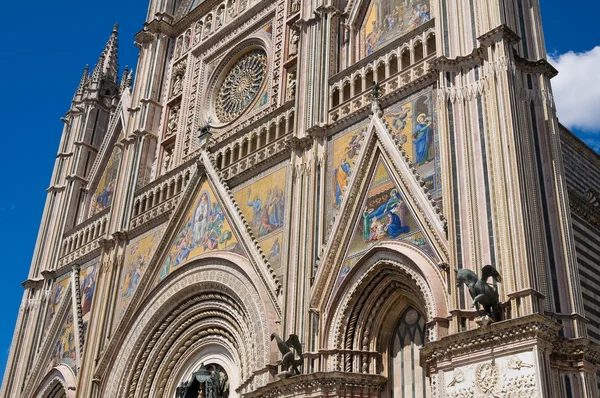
[(323, 384), (514, 358)]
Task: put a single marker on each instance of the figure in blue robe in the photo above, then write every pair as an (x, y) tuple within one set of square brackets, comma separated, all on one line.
[(381, 211), (421, 139), (395, 226), (341, 174)]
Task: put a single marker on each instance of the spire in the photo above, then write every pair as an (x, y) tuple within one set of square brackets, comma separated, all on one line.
[(108, 62), (84, 80)]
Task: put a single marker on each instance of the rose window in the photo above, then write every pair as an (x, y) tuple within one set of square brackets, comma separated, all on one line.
[(241, 85)]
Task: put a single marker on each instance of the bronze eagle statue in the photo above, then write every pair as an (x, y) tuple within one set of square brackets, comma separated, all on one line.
[(288, 355), (482, 292)]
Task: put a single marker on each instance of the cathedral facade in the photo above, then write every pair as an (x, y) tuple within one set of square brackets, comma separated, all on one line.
[(280, 204)]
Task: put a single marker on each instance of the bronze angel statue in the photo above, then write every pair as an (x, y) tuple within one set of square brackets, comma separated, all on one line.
[(291, 351), (482, 292)]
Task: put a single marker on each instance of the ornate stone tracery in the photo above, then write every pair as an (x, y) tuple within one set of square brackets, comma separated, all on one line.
[(241, 85)]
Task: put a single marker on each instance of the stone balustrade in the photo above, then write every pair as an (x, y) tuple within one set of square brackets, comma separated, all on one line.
[(160, 196), (350, 90), (84, 238)]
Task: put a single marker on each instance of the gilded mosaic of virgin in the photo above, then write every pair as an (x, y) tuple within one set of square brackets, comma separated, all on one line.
[(205, 229)]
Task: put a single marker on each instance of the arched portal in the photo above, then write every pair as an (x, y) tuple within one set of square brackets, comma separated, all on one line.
[(209, 311), (387, 307)]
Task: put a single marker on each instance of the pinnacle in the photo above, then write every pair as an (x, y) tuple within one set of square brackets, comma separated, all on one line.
[(108, 61), (84, 79)]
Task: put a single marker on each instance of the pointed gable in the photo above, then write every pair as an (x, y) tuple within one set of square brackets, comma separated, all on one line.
[(385, 215), (204, 229)]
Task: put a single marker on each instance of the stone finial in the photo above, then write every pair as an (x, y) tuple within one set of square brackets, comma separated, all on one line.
[(84, 79), (124, 79)]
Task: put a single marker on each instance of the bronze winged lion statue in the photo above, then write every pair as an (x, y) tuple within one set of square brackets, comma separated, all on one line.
[(482, 292), (289, 357)]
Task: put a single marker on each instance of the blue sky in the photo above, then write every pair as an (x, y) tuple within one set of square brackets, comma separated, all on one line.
[(47, 45)]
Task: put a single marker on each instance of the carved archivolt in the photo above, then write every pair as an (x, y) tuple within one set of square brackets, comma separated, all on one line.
[(59, 382), (205, 300), (364, 299), (241, 85)]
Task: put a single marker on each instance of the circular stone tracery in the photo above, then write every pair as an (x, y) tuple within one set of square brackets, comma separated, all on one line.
[(240, 86)]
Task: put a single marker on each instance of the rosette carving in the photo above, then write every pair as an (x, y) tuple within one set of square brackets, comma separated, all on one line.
[(241, 85)]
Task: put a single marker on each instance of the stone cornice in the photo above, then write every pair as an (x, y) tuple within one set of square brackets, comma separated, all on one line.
[(327, 383), (32, 283), (567, 137), (501, 32), (443, 64), (575, 350), (534, 328), (540, 66)]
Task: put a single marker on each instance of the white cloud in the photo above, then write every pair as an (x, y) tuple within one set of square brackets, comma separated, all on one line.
[(577, 90)]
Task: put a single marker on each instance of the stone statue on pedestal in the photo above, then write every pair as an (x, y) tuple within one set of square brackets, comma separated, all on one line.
[(291, 351), (482, 293)]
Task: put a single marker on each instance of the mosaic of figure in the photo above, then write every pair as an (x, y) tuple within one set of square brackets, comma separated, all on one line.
[(65, 347), (56, 296), (263, 205), (205, 229), (138, 255), (87, 286), (106, 187), (385, 215), (345, 155), (413, 122), (267, 216), (387, 20)]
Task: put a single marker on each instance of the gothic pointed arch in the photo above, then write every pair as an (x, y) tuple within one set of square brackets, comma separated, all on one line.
[(208, 311), (60, 382), (367, 312), (384, 181)]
